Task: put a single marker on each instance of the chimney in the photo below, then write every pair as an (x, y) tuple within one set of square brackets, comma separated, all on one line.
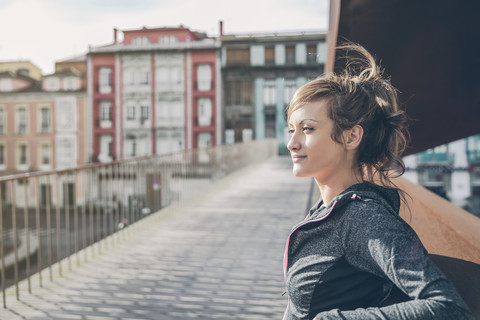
[(115, 30), (221, 30)]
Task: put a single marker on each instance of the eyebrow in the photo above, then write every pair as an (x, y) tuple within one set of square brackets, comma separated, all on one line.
[(305, 120)]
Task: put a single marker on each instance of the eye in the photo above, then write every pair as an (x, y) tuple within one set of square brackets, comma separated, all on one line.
[(307, 129), (291, 131)]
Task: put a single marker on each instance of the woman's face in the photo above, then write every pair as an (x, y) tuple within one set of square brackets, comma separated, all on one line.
[(313, 152)]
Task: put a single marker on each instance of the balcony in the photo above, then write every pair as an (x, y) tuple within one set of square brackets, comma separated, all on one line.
[(473, 157), (430, 157), (104, 123)]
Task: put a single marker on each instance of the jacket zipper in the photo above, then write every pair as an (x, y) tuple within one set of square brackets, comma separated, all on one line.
[(285, 255)]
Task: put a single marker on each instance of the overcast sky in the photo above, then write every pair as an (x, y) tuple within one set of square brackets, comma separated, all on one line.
[(44, 31)]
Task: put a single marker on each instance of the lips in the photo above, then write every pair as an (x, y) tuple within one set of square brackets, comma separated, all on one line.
[(298, 157)]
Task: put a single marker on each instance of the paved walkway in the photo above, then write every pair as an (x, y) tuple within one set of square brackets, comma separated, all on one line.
[(219, 256)]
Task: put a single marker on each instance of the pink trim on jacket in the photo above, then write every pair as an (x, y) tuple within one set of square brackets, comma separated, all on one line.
[(285, 255)]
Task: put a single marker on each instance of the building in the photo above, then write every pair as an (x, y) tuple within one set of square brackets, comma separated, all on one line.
[(154, 92), (260, 73), (42, 123), (22, 67), (450, 170), (77, 64)]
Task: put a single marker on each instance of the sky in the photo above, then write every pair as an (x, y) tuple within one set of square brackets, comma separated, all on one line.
[(44, 31)]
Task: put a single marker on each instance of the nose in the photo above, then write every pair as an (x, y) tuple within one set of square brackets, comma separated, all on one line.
[(293, 143)]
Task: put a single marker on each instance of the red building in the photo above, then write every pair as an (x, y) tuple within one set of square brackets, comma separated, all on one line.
[(153, 92)]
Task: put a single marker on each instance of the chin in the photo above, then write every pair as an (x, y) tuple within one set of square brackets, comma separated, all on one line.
[(299, 173)]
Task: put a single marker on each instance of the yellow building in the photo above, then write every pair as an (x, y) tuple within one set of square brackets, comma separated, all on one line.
[(23, 67)]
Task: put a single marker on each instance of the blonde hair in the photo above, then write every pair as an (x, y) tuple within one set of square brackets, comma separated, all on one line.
[(360, 95)]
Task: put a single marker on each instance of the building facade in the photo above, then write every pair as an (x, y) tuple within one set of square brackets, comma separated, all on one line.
[(260, 73), (22, 67), (154, 92), (451, 170), (42, 123)]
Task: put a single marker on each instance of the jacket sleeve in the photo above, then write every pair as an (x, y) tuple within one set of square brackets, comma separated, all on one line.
[(377, 241)]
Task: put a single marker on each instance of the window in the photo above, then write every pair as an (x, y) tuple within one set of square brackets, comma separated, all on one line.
[(2, 121), (169, 77), (21, 120), (238, 57), (105, 114), (105, 80), (106, 148), (269, 93), (130, 111), (22, 155), (163, 75), (204, 77), (321, 52), (131, 146), (238, 92), (473, 149), (66, 113), (290, 88), (6, 85), (66, 148), (269, 55), (44, 120), (177, 111), (204, 112), (257, 55), (168, 40), (311, 53), (177, 75), (66, 151), (45, 154), (290, 54), (2, 155), (144, 77), (144, 113), (52, 84), (163, 113), (140, 41), (129, 78), (71, 83), (169, 142), (106, 111), (204, 140)]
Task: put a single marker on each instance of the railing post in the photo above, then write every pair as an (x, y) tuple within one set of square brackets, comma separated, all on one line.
[(39, 231), (15, 244), (57, 225), (75, 216), (27, 234), (66, 210), (2, 251), (48, 203)]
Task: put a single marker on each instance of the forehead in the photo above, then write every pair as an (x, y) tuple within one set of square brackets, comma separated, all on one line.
[(315, 110)]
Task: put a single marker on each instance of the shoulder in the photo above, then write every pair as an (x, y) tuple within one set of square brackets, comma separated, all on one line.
[(368, 218), (368, 210)]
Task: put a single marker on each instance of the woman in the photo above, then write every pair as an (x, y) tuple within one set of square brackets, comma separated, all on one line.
[(343, 260)]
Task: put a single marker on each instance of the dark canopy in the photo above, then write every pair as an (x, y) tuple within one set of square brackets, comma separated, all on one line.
[(430, 49)]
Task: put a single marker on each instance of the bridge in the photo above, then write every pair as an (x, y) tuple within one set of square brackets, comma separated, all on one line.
[(217, 255)]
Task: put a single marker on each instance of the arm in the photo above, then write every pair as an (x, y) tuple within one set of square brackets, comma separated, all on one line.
[(383, 244)]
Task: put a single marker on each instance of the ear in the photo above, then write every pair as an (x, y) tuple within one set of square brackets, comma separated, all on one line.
[(353, 137)]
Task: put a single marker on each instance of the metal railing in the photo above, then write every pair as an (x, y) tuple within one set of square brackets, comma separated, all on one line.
[(59, 217)]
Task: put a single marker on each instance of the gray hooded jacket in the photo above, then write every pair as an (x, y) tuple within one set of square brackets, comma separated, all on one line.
[(343, 260)]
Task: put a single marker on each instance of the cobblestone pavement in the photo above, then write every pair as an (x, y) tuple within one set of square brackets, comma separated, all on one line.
[(218, 256)]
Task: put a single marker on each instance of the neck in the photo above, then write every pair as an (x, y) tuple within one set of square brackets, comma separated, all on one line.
[(330, 189)]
